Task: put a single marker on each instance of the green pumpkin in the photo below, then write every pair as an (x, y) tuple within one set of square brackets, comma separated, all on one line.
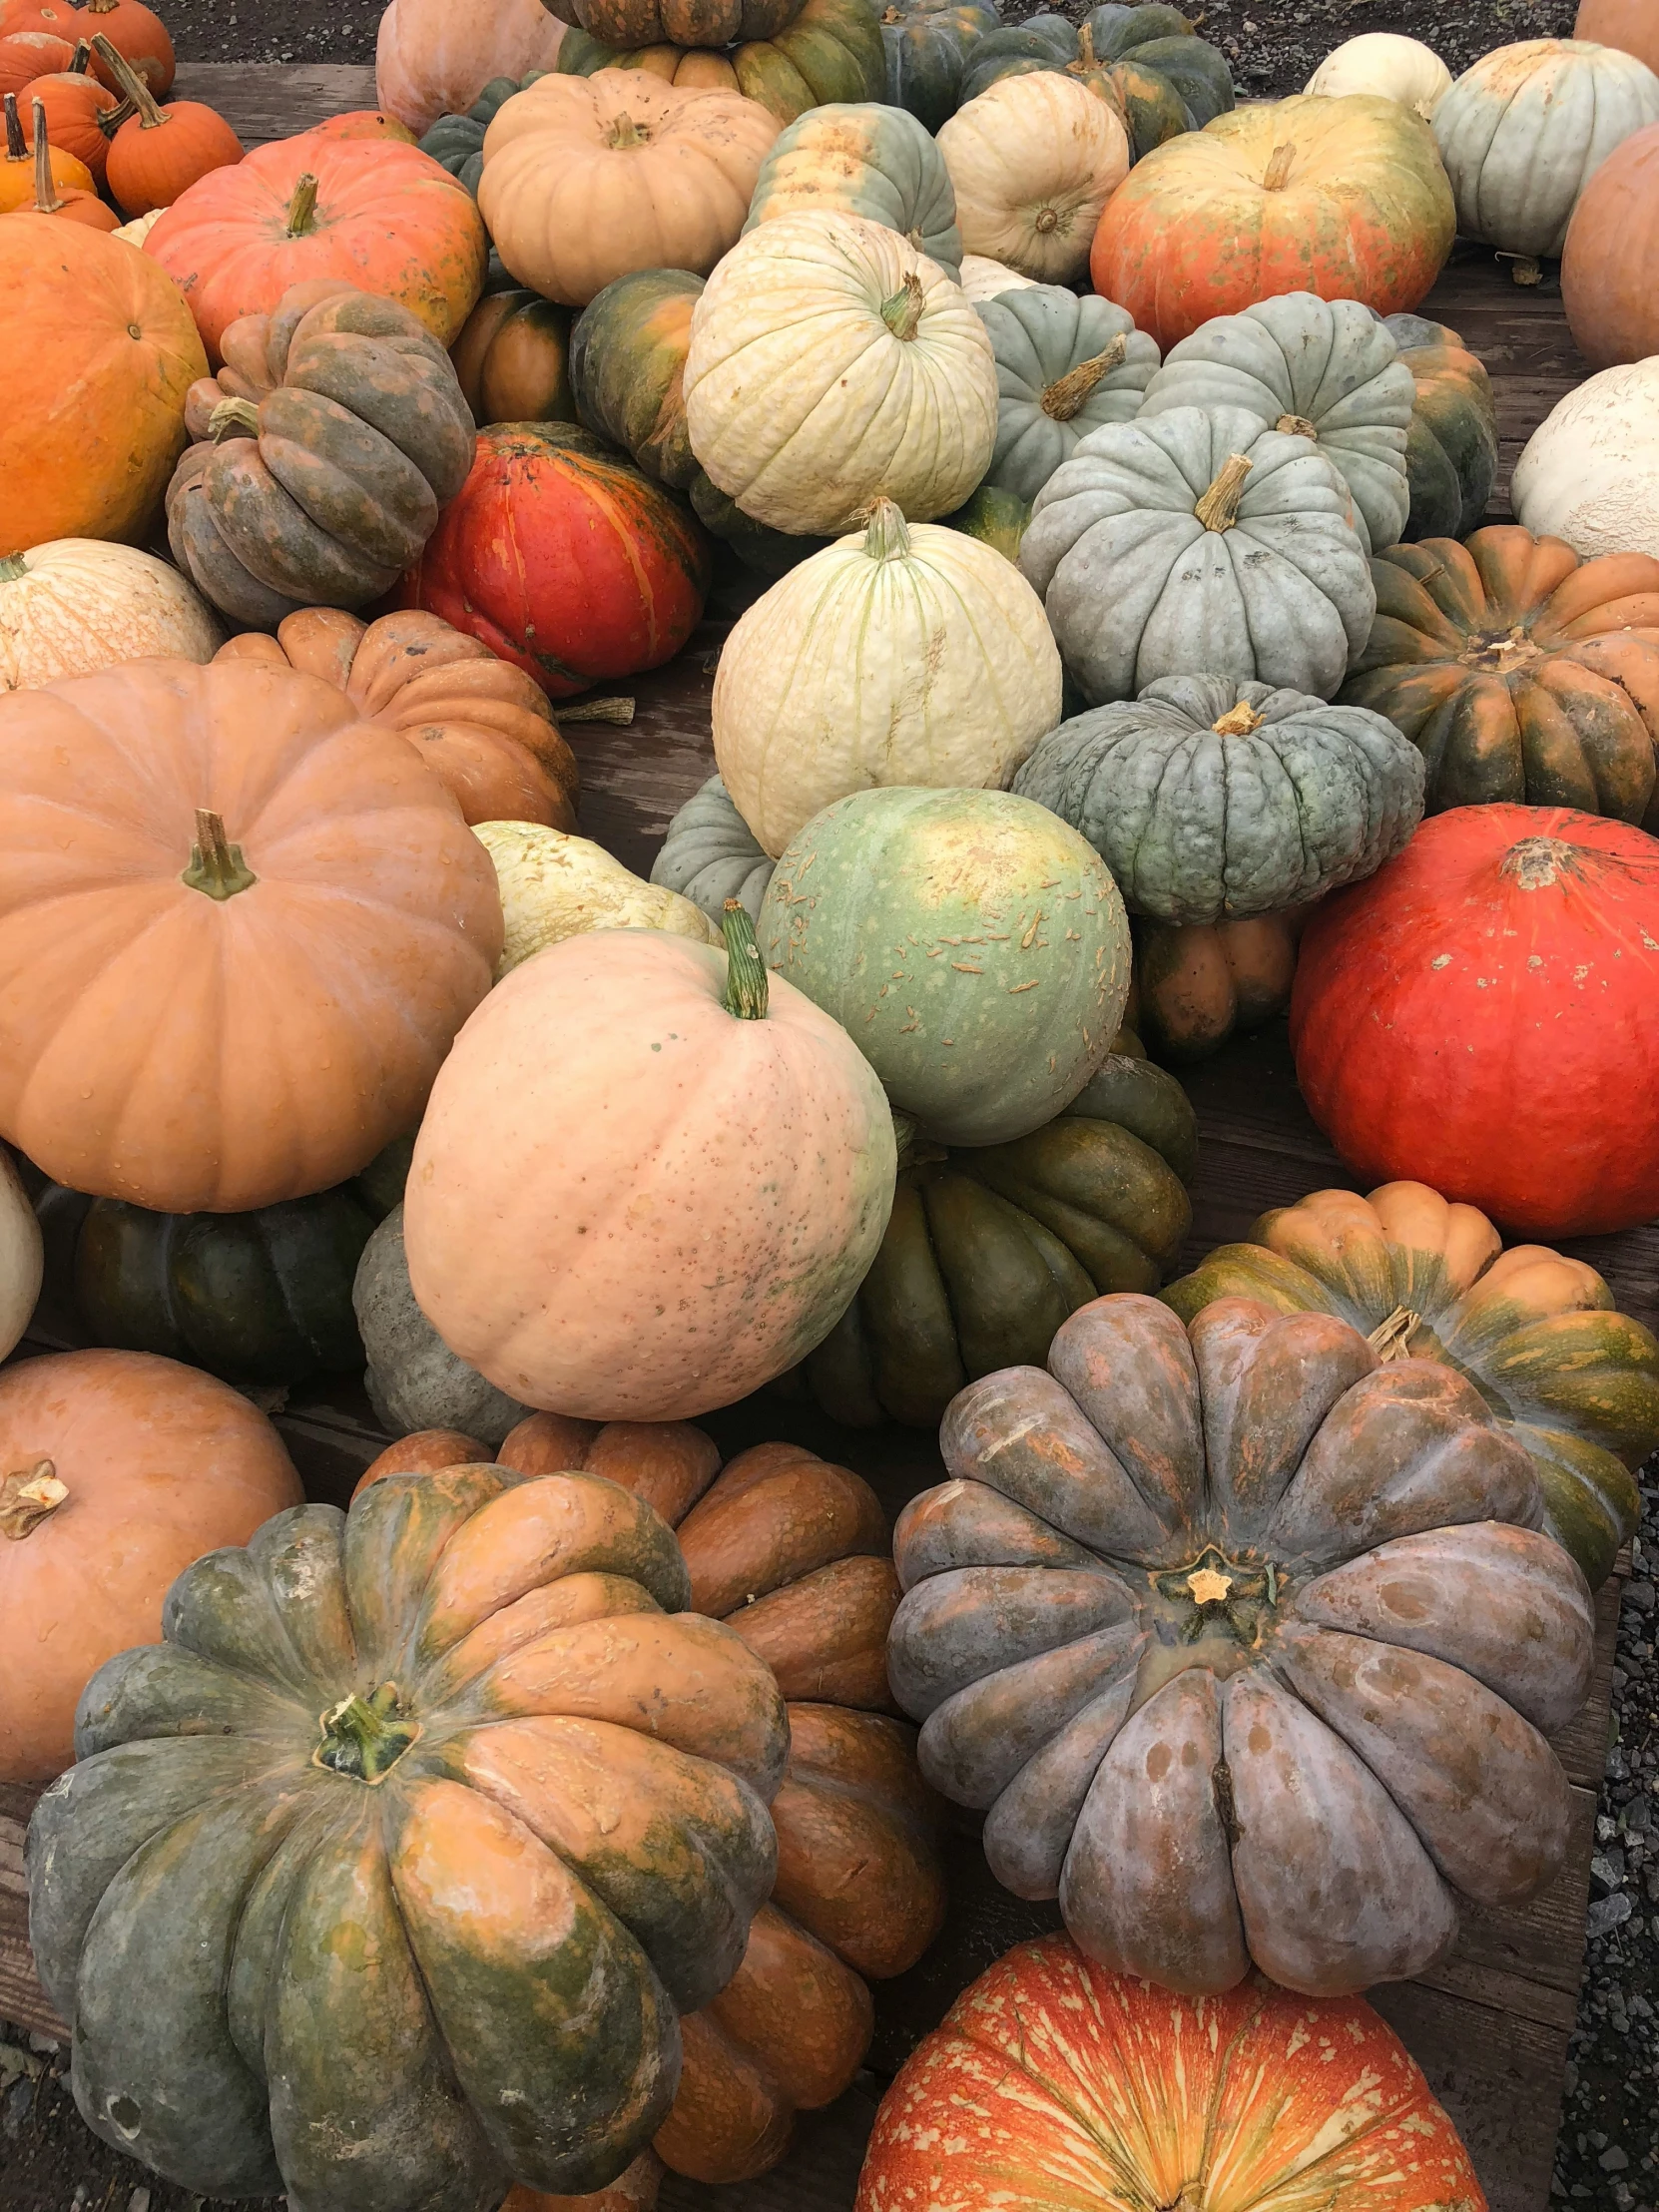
[(456, 141), (860, 158), (1064, 368), (1451, 445), (1145, 60), (995, 517), (710, 854), (990, 1249), (832, 51), (927, 43), (410, 1377)]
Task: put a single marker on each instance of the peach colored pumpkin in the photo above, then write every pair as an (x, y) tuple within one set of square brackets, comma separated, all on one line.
[(435, 58)]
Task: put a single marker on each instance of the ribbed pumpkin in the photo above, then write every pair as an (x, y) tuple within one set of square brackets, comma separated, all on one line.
[(710, 854), (1589, 473), (927, 44), (456, 141), (1064, 366), (1033, 159), (512, 360), (80, 604), (869, 161), (832, 51), (1142, 61), (1451, 445), (1383, 62), (431, 59), (1198, 984), (634, 23)]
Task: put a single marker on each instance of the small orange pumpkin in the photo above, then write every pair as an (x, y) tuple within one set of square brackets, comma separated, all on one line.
[(159, 153), (28, 55), (137, 35), (68, 202), (17, 170), (78, 111)]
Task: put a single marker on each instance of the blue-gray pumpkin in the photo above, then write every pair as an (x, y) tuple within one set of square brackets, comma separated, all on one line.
[(1064, 366)]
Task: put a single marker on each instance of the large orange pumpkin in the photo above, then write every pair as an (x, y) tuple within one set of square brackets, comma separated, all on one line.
[(1611, 252), (1631, 24), (279, 923)]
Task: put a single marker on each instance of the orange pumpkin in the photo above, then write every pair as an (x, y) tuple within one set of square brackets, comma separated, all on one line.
[(26, 55), (117, 1470), (281, 923), (137, 35), (159, 153), (17, 170), (364, 123), (1631, 24), (76, 105), (68, 202), (1611, 252)]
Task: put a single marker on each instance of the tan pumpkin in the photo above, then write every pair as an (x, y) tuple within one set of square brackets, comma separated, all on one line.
[(80, 604), (22, 1257), (1033, 161), (555, 886), (433, 58)]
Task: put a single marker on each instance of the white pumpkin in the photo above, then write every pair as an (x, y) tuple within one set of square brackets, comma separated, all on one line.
[(1386, 66), (983, 279), (831, 364), (1591, 471), (555, 886), (79, 604), (1033, 161), (435, 58), (136, 232), (21, 1257), (899, 656), (1524, 129)]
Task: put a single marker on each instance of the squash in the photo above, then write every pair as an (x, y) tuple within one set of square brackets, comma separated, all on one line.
[(28, 55), (710, 854), (920, 920), (95, 412), (137, 35), (1033, 161), (983, 279), (77, 109), (136, 232), (563, 559), (69, 203), (1304, 1591), (19, 178), (159, 153), (412, 1378), (1545, 926), (830, 363), (22, 1258), (482, 1814), (322, 486), (990, 1248), (735, 1155), (587, 179), (169, 1051), (1328, 370), (482, 726), (456, 141), (512, 359), (1211, 800), (1451, 445), (1145, 61), (121, 1470), (1572, 1379), (1198, 542), (1386, 65), (864, 160), (995, 517), (1345, 197), (1095, 2082), (1524, 129), (634, 23), (1518, 674), (816, 693), (1628, 24), (430, 60), (927, 44), (79, 604), (1589, 473), (1064, 366), (832, 51), (555, 886), (1609, 246), (1199, 984)]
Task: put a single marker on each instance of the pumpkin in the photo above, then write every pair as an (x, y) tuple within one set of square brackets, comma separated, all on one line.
[(1197, 984), (321, 489), (1451, 1017), (710, 854), (563, 559), (634, 23), (920, 919), (1386, 65), (832, 51), (136, 232), (1518, 674), (1609, 244), (159, 153), (67, 202), (1033, 161), (465, 1740), (21, 1258), (168, 1052), (1451, 445), (990, 1248), (80, 604), (1247, 1643), (1064, 366), (830, 365), (816, 693), (587, 179), (864, 160), (412, 1378), (364, 123), (746, 1147), (1344, 197), (1084, 2080), (95, 413), (927, 44), (1628, 24), (28, 55), (76, 106), (137, 35), (1198, 542), (20, 189), (1142, 61), (995, 517), (482, 726), (1325, 370), (430, 60), (121, 1470), (1524, 129), (1589, 473), (983, 279), (555, 886), (456, 141), (512, 359), (1572, 1379)]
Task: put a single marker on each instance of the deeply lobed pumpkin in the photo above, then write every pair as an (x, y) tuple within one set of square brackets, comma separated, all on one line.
[(1197, 984), (1033, 159), (832, 51), (1451, 444), (1144, 61), (512, 359), (1064, 368), (927, 44), (710, 854)]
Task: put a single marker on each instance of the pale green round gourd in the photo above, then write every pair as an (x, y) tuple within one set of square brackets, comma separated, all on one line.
[(1064, 366), (868, 160), (710, 854)]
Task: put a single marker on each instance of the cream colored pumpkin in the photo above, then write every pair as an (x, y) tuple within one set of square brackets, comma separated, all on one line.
[(435, 58), (830, 365), (79, 604), (901, 654), (555, 886), (1033, 159), (983, 279), (587, 179), (1388, 67), (1591, 471), (21, 1255), (136, 232)]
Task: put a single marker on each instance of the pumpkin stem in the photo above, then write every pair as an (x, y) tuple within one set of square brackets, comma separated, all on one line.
[(1537, 862), (903, 311), (46, 191), (233, 415), (1218, 508), (625, 134), (1237, 722), (1297, 425), (216, 866), (1062, 398), (12, 567), (1389, 1338), (130, 83), (1085, 49), (886, 538), (747, 989), (83, 53), (28, 1497), (1278, 171), (302, 209), (1045, 223), (17, 145), (110, 119), (364, 1737), (101, 7), (596, 709)]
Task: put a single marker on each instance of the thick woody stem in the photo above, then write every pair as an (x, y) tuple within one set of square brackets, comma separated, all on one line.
[(215, 866), (1279, 168), (1237, 722), (901, 311), (1218, 508), (28, 1497), (1062, 398)]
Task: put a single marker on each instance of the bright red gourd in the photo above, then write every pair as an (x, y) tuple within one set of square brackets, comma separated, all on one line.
[(1483, 1015)]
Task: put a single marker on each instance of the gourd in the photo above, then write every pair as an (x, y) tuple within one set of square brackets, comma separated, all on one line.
[(512, 360), (866, 159), (1622, 23), (1065, 366), (1572, 1379), (636, 23), (1544, 923), (430, 61), (735, 1183), (185, 1051), (1589, 473), (710, 854), (79, 604), (1345, 197), (1198, 542), (412, 1378), (1391, 67), (920, 919), (816, 695), (456, 141), (1033, 161), (521, 2000), (1304, 1590), (1451, 445), (1609, 244), (1196, 985), (160, 151), (1145, 61), (927, 44), (1326, 370), (554, 886), (121, 1470), (832, 51), (21, 1258), (1519, 674)]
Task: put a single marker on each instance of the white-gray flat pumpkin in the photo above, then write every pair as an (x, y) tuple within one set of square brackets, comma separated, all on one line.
[(710, 854), (1064, 366)]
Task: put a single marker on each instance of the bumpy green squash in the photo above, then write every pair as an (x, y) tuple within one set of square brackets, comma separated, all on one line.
[(927, 43), (1451, 445), (1146, 61), (860, 158), (456, 141), (832, 51), (710, 854)]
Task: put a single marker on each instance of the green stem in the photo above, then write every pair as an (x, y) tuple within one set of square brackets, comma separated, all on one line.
[(901, 311), (366, 1737), (886, 537), (747, 990), (12, 566), (237, 415), (596, 709), (216, 866), (302, 208)]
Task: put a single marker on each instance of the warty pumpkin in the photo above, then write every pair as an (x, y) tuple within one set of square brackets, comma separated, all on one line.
[(79, 604), (1383, 62), (832, 51), (1064, 366), (22, 1258), (866, 160), (1589, 473), (1197, 984), (512, 359), (430, 60), (554, 886), (411, 1377), (1609, 248), (160, 151), (1451, 444), (1144, 61), (710, 854), (1178, 1565), (456, 141), (927, 44), (1033, 159), (634, 23)]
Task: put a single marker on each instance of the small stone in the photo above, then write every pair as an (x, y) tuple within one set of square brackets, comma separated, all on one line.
[(139, 2201), (15, 2107), (1607, 1868), (1641, 1595), (1606, 1828), (1569, 2081), (1614, 2160), (1606, 1913), (46, 2046)]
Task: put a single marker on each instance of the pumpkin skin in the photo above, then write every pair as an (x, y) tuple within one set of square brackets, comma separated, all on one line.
[(74, 102), (710, 854), (983, 279), (430, 61), (512, 360), (365, 123), (20, 181), (1612, 239), (927, 44), (357, 950), (864, 160), (22, 1258), (1064, 366), (151, 1464), (1359, 207), (160, 151), (512, 1705), (1144, 61), (1096, 2082), (1518, 674), (555, 886), (1033, 161), (1414, 1071), (1243, 1544), (1391, 67), (79, 604), (1626, 24), (634, 23), (1199, 984), (456, 141), (1589, 473), (1576, 1382), (137, 35), (563, 560), (1451, 445), (832, 51), (28, 55), (413, 1380)]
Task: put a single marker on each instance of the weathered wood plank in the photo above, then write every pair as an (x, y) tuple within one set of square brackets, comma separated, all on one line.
[(273, 100)]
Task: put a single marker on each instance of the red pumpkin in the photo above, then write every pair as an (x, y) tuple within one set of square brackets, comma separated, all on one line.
[(564, 559), (1483, 1015)]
